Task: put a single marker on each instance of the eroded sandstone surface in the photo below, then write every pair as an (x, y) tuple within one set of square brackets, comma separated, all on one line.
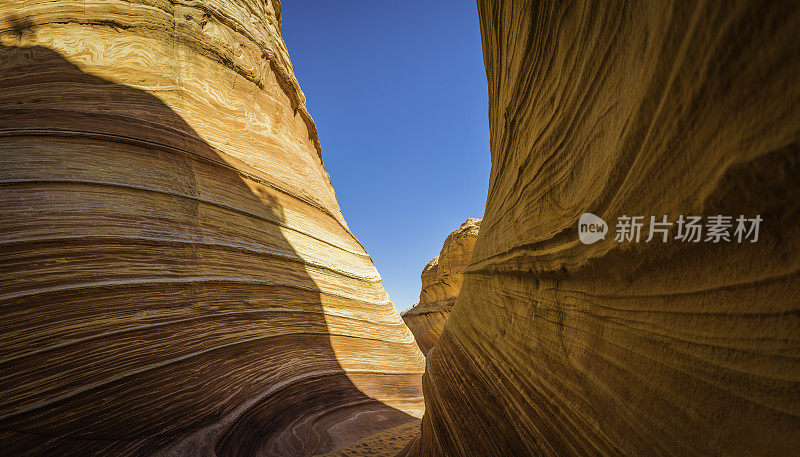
[(176, 277), (441, 281), (556, 348)]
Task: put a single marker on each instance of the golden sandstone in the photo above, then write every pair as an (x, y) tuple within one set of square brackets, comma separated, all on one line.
[(176, 277), (441, 281), (557, 348)]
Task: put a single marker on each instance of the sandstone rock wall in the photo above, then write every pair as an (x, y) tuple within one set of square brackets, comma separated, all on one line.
[(175, 274), (558, 348), (441, 281)]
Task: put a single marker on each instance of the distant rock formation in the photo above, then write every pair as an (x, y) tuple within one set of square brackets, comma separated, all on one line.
[(176, 277), (558, 348), (441, 281)]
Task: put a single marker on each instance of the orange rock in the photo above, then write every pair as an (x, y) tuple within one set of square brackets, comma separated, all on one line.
[(175, 273), (557, 348), (441, 281)]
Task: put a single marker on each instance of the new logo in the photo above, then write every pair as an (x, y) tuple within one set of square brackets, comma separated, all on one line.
[(591, 228)]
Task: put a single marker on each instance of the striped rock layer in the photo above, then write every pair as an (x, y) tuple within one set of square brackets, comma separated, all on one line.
[(556, 348), (176, 277), (441, 281)]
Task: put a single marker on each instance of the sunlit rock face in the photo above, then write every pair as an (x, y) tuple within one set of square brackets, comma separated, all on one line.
[(441, 281), (175, 274), (559, 348)]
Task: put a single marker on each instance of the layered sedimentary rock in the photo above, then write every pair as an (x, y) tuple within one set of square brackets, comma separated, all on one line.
[(678, 348), (175, 274), (441, 281)]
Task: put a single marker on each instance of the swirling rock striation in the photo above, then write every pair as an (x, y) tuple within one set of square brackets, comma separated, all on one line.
[(441, 281), (557, 348), (176, 277)]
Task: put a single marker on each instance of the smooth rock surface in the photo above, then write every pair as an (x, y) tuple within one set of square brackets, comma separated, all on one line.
[(441, 281), (556, 348), (388, 443), (176, 277)]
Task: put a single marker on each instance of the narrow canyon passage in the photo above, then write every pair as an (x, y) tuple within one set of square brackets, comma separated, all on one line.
[(176, 276)]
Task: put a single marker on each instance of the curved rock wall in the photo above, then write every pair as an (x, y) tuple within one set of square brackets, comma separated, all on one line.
[(441, 281), (558, 348), (175, 274)]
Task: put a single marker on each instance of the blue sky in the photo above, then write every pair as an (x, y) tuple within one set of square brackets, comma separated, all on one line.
[(398, 93)]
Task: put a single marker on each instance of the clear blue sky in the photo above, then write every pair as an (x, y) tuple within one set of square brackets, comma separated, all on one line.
[(398, 92)]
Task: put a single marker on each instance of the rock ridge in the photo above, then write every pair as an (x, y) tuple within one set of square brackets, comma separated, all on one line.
[(441, 282)]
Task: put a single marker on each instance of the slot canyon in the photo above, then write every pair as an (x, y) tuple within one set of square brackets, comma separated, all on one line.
[(177, 278)]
